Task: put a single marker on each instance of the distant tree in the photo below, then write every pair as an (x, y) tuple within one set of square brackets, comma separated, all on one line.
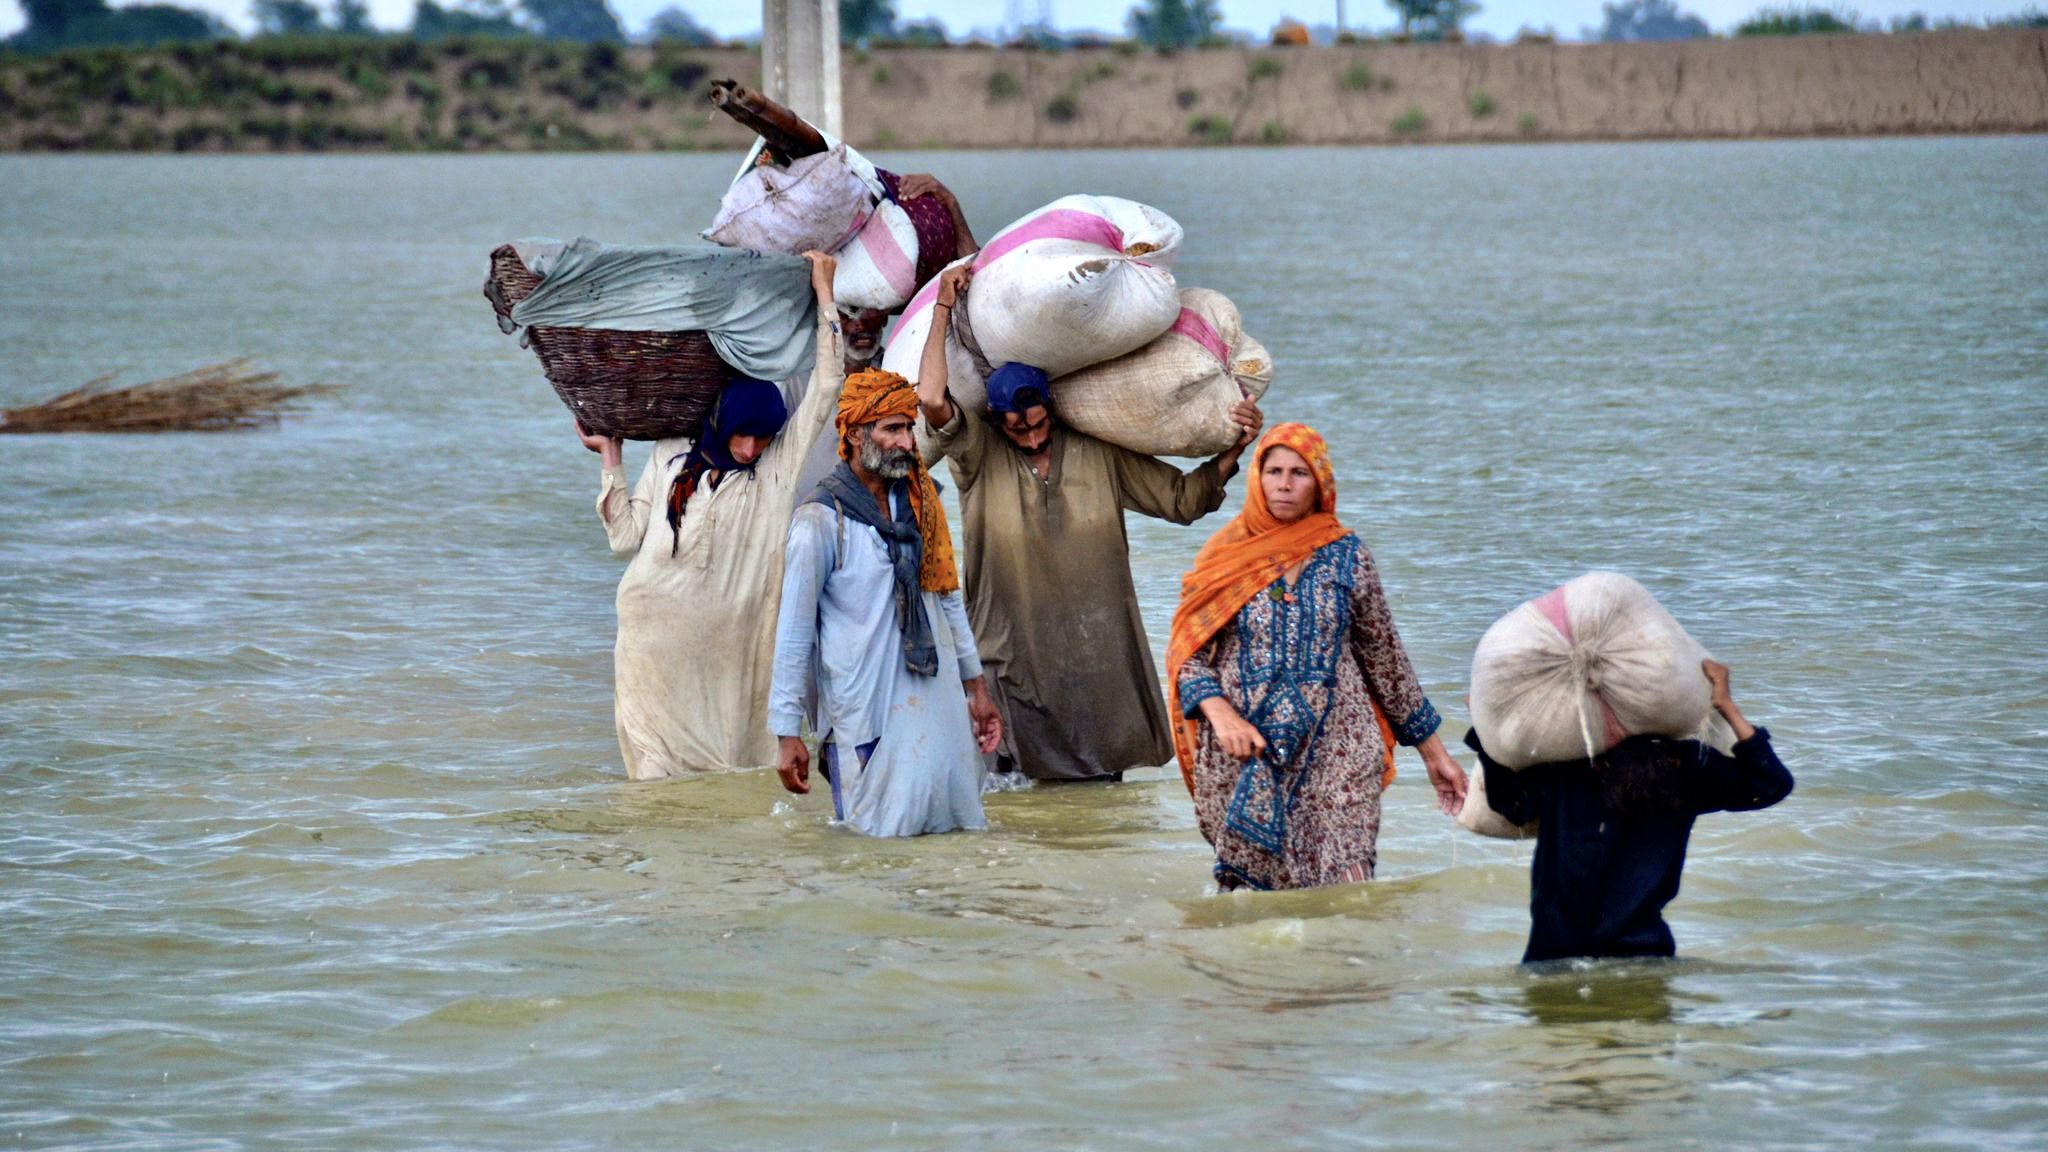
[(55, 19), (676, 26), (2026, 18), (285, 18), (430, 21), (863, 20), (1633, 21), (352, 18), (923, 33), (1169, 24), (585, 21), (55, 24), (1797, 22), (1433, 19), (1910, 22)]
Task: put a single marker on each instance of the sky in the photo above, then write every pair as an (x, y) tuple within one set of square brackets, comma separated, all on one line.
[(1501, 18)]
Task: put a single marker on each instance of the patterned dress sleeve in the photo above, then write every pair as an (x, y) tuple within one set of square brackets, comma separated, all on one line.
[(1388, 674), (1199, 679)]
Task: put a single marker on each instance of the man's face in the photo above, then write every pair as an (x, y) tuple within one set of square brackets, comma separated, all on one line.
[(888, 447), (863, 332), (1030, 430)]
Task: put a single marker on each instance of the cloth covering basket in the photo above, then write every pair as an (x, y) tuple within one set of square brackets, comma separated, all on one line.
[(634, 385)]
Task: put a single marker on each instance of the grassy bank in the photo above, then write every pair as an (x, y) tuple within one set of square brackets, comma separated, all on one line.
[(337, 94)]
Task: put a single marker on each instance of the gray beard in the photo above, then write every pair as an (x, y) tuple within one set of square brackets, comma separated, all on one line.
[(888, 463)]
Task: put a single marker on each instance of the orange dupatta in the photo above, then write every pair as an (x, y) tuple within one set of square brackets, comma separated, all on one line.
[(1239, 562)]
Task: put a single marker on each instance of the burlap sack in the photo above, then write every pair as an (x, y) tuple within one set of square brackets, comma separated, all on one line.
[(1173, 396), (1577, 670), (815, 204)]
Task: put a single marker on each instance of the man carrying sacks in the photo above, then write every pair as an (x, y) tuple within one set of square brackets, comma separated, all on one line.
[(1048, 564), (872, 627)]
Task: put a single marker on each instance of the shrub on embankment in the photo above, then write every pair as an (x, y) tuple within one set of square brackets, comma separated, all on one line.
[(356, 93)]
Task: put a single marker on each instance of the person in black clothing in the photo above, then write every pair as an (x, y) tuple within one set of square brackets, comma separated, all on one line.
[(1612, 831)]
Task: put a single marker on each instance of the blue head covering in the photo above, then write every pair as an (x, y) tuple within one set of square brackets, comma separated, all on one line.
[(744, 408), (1006, 382)]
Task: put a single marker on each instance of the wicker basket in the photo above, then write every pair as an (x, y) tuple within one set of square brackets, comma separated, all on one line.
[(636, 385)]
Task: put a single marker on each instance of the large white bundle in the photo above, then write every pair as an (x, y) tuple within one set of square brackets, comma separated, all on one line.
[(817, 203), (1082, 280), (1577, 670), (1173, 396), (878, 267)]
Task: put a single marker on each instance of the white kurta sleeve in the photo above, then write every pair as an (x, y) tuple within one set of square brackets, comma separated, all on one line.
[(625, 514), (806, 562), (955, 606), (784, 460)]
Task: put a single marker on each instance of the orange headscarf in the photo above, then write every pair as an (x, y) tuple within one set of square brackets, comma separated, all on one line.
[(871, 395), (1239, 562)]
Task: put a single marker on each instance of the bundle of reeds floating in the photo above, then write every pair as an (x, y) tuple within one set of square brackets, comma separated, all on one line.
[(217, 398)]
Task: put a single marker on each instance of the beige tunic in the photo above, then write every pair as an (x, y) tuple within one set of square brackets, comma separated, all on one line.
[(1049, 592), (696, 645)]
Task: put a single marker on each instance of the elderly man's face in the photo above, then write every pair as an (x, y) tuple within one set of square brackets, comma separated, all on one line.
[(863, 332), (888, 447)]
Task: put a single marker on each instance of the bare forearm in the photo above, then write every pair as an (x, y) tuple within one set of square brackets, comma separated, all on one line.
[(931, 371)]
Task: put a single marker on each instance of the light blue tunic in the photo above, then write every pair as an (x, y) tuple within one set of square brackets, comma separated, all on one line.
[(839, 660)]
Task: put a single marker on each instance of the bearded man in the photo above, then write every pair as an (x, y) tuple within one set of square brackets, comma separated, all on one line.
[(873, 630)]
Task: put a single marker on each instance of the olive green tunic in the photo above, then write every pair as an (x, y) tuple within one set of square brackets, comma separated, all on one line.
[(1049, 592)]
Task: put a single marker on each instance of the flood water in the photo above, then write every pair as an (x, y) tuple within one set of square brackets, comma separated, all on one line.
[(317, 835)]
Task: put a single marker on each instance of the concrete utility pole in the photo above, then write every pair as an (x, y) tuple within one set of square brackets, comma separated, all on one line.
[(800, 58)]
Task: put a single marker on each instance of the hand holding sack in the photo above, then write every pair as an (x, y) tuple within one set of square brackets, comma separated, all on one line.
[(1478, 816), (1575, 671)]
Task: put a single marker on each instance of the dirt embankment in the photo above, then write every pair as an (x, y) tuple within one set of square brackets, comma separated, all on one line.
[(487, 96)]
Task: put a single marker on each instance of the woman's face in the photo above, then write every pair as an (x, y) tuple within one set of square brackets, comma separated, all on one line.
[(747, 449), (1289, 484)]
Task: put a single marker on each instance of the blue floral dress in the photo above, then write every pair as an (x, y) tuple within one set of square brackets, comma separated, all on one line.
[(1305, 666)]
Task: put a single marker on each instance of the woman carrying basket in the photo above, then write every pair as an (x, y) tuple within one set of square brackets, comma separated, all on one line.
[(704, 526), (1289, 685)]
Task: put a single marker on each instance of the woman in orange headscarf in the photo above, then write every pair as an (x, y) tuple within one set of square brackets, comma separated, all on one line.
[(1289, 684)]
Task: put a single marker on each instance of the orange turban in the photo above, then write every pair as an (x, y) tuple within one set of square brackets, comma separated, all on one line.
[(1240, 561), (872, 395)]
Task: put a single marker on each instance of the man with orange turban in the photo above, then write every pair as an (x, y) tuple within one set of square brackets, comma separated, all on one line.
[(873, 631)]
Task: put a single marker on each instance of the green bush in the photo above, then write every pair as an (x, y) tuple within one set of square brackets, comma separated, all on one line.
[(1272, 132), (1357, 77), (1186, 98), (1003, 86), (1481, 105), (1410, 122), (1790, 21), (880, 76), (1063, 108), (1527, 124), (1209, 129), (1263, 68)]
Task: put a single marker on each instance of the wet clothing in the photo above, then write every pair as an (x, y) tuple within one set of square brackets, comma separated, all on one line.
[(1600, 881), (1306, 666), (696, 606), (899, 748), (1049, 591)]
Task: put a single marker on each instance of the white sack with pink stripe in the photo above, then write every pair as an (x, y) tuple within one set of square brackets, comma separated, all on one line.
[(1082, 280), (1173, 396), (1583, 667), (878, 267)]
